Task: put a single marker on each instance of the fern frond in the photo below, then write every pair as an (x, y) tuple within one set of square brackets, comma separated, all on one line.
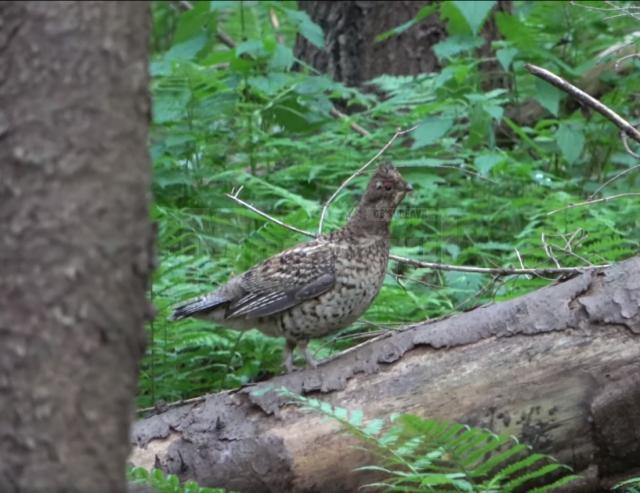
[(423, 455)]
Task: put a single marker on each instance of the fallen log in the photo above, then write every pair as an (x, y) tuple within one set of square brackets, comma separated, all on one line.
[(559, 368)]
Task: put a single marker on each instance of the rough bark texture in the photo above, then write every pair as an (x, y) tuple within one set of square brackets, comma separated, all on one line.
[(352, 56), (74, 242), (558, 368)]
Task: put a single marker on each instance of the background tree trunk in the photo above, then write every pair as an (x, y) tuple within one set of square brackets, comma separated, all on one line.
[(75, 240), (558, 368), (352, 56)]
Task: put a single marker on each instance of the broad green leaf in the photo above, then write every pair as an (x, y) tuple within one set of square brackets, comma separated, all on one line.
[(570, 140), (505, 56), (455, 45), (282, 58), (168, 177), (252, 47), (485, 162), (474, 12), (516, 31), (548, 96), (308, 205), (307, 28), (186, 50), (269, 84), (193, 22), (480, 133), (494, 111), (315, 85), (170, 106), (455, 21), (430, 130)]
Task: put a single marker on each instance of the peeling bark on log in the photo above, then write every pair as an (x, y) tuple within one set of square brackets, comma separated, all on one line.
[(559, 368)]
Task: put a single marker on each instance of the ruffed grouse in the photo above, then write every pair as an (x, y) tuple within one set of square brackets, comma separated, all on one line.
[(314, 288)]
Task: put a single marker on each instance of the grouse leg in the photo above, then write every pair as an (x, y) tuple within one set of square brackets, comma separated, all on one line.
[(288, 355), (304, 345)]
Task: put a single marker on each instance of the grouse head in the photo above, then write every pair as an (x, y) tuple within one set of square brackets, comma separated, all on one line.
[(384, 193), (386, 187)]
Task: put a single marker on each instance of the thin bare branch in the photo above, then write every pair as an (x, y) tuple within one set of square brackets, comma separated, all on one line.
[(275, 23), (496, 271), (354, 126), (595, 201), (520, 259), (366, 165), (161, 407), (620, 60), (499, 271), (614, 178), (225, 39), (238, 200), (585, 99), (397, 278), (488, 286), (627, 148), (222, 36), (548, 250)]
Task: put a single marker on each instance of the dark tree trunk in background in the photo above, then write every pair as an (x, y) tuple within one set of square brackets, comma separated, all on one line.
[(75, 240), (351, 54)]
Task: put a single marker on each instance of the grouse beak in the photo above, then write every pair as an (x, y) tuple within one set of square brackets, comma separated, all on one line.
[(408, 188)]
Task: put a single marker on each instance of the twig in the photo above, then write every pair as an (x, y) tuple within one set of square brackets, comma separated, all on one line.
[(235, 198), (492, 282), (225, 39), (366, 165), (354, 126), (625, 10), (627, 148), (569, 251), (497, 271), (361, 335), (222, 36), (614, 178), (548, 251), (275, 23), (595, 201), (464, 171), (397, 278), (163, 406), (519, 259), (622, 59), (585, 99)]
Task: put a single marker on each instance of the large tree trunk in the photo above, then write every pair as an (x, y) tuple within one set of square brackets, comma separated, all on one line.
[(558, 368), (75, 240)]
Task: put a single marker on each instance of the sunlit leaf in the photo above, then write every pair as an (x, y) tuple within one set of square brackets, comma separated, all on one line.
[(430, 130), (548, 96), (474, 12), (570, 140)]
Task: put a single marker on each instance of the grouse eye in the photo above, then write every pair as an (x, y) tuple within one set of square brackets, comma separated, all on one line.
[(388, 187)]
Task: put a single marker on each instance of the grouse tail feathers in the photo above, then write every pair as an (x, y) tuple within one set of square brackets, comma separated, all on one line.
[(199, 305)]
